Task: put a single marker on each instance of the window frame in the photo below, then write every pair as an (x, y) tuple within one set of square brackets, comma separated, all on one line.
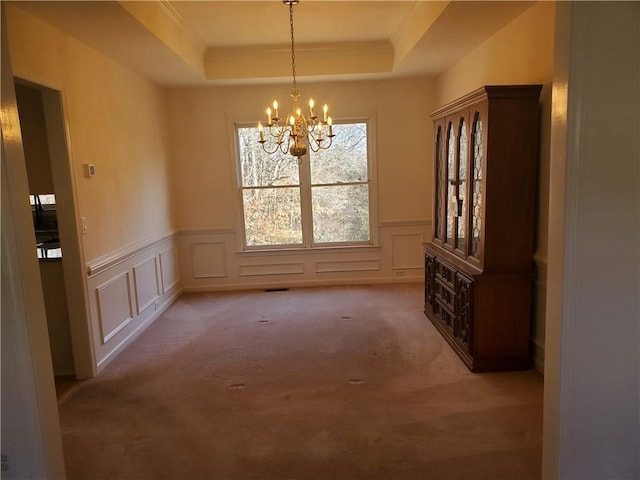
[(305, 188)]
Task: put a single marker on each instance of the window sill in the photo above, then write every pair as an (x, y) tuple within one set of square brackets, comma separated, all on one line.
[(309, 250)]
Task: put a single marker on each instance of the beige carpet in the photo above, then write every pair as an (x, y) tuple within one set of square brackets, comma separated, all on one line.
[(318, 383)]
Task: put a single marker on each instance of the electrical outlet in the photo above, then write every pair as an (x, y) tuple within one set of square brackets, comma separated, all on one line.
[(399, 273), (85, 227)]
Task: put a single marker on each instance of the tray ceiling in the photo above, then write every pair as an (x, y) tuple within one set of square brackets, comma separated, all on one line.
[(247, 42)]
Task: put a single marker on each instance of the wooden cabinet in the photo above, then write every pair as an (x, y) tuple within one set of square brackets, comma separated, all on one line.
[(479, 265)]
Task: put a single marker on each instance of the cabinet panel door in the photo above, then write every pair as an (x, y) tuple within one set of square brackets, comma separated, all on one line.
[(429, 279), (464, 314)]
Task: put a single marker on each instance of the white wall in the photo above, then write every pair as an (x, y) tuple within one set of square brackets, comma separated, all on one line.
[(207, 202), (592, 372), (520, 53)]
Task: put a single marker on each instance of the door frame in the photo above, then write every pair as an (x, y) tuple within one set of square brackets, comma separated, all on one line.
[(73, 264)]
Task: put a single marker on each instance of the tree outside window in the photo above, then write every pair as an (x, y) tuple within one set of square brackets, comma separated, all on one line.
[(323, 201)]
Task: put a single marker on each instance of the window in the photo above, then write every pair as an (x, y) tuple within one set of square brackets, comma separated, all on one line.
[(323, 201)]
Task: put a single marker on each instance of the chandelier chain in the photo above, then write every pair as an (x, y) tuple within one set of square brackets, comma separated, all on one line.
[(293, 49)]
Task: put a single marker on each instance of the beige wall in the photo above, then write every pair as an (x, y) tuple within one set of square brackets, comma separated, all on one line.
[(203, 164), (116, 120), (207, 200), (520, 53)]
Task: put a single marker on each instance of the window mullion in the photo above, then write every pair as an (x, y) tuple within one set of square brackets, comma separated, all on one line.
[(305, 201)]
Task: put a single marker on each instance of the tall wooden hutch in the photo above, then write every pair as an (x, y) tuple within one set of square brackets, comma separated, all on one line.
[(479, 265)]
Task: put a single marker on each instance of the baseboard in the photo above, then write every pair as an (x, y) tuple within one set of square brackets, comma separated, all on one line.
[(300, 284), (136, 333), (538, 356)]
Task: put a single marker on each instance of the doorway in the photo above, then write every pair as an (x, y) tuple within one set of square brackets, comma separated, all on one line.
[(58, 244)]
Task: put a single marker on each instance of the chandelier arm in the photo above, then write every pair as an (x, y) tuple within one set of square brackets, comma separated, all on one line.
[(276, 131), (285, 148), (314, 145), (326, 147), (269, 152)]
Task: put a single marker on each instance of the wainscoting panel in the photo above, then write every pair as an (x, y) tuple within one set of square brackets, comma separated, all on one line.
[(145, 280), (271, 269), (213, 260), (208, 260), (406, 251), (115, 310), (132, 286), (169, 269), (348, 266)]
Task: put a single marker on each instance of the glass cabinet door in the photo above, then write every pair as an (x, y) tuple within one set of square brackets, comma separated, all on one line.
[(458, 182), (439, 182), (477, 173), (457, 168), (451, 203), (461, 185)]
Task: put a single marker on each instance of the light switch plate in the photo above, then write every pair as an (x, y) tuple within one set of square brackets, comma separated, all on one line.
[(89, 170)]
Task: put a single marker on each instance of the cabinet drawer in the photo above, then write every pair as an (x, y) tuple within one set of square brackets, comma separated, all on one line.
[(444, 314), (445, 295), (445, 273)]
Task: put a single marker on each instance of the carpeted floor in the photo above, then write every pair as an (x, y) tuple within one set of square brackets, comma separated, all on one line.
[(318, 383)]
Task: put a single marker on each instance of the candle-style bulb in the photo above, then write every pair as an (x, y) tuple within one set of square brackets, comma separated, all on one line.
[(311, 105), (325, 109)]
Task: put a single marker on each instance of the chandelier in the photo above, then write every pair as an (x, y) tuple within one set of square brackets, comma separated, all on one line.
[(295, 131)]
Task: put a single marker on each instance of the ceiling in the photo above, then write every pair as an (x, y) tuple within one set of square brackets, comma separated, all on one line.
[(248, 42)]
